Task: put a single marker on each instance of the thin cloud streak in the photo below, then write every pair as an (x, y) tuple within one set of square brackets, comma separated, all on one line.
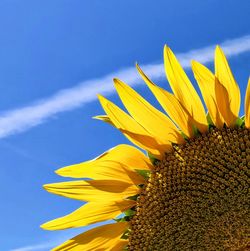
[(58, 240), (48, 244), (40, 247), (24, 118)]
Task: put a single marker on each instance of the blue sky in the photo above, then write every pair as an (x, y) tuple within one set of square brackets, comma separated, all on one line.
[(55, 56)]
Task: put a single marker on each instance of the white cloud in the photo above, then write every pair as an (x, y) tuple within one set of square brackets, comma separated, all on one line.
[(39, 247), (21, 119), (48, 244), (59, 238)]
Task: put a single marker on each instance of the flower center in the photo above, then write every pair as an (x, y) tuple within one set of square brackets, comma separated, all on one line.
[(197, 198)]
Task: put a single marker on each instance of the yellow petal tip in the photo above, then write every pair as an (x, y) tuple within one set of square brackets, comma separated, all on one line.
[(99, 117), (195, 64), (137, 66), (218, 50), (117, 81), (99, 96), (217, 47), (102, 100), (59, 171), (167, 49), (46, 186), (43, 226), (104, 118)]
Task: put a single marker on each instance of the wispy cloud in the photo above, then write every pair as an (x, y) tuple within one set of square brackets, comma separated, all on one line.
[(39, 247), (21, 119), (46, 245), (59, 238)]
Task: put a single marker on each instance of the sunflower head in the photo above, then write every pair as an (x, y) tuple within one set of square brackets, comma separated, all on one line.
[(190, 191)]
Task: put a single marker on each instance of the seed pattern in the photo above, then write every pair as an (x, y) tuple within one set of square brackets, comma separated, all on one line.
[(198, 197)]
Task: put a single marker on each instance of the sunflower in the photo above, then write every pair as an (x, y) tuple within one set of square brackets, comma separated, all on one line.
[(190, 191)]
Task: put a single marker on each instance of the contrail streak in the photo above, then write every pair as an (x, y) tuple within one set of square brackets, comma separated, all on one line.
[(23, 118)]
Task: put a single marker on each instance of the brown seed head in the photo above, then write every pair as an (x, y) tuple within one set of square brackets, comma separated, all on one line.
[(198, 197)]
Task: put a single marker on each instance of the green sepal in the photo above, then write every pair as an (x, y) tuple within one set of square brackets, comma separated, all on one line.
[(209, 121), (126, 216), (125, 235), (123, 219), (240, 122), (196, 132), (152, 158), (134, 197), (144, 173), (130, 212), (184, 136), (120, 219)]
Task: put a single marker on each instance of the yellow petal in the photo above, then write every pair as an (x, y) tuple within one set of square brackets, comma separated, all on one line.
[(247, 105), (99, 170), (184, 90), (89, 213), (120, 245), (171, 105), (105, 237), (226, 78), (154, 121), (93, 190), (206, 81), (116, 164), (223, 102), (104, 118), (134, 131)]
